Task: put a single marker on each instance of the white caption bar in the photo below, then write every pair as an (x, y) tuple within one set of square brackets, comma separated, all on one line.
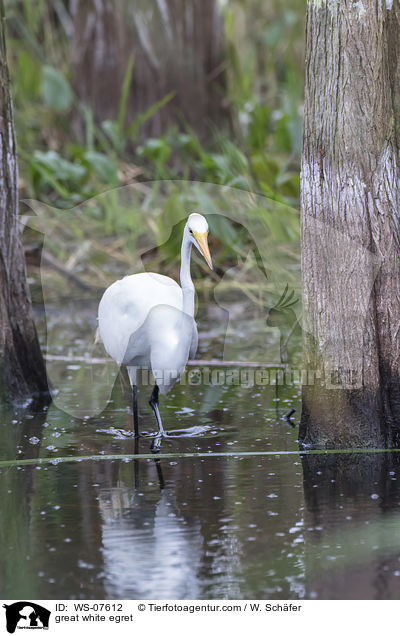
[(22, 617)]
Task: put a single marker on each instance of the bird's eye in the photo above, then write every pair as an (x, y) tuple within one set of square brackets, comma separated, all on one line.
[(191, 231)]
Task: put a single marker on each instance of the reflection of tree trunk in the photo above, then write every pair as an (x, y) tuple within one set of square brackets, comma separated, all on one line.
[(17, 490), (22, 370), (350, 224), (351, 542), (177, 46)]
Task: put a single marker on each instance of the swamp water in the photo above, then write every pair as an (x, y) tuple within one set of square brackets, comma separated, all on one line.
[(227, 509)]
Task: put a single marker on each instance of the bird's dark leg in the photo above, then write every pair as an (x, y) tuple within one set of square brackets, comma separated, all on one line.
[(135, 410), (154, 405)]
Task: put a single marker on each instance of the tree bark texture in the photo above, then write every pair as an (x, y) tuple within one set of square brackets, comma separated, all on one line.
[(350, 206), (177, 47), (22, 370)]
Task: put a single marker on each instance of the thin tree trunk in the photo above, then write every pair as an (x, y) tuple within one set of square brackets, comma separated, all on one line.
[(22, 370), (350, 207), (177, 47)]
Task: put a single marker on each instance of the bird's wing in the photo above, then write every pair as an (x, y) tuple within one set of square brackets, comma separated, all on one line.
[(194, 343), (125, 306)]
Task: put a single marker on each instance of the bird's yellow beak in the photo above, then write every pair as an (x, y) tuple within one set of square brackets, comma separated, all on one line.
[(203, 245)]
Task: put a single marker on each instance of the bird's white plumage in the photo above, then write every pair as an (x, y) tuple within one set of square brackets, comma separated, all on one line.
[(147, 320), (142, 324), (126, 304), (197, 223)]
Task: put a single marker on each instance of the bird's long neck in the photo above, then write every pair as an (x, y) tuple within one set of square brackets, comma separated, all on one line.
[(186, 280)]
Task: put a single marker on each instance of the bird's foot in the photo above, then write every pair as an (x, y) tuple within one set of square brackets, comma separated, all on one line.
[(156, 443)]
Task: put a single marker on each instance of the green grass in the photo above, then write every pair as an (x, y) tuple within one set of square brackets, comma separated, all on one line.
[(264, 74)]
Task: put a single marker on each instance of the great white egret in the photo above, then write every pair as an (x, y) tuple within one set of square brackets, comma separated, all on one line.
[(147, 321)]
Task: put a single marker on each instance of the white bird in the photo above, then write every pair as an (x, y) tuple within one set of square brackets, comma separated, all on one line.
[(147, 321)]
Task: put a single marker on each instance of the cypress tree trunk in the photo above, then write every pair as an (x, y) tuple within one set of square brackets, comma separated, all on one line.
[(177, 47), (350, 209), (22, 370)]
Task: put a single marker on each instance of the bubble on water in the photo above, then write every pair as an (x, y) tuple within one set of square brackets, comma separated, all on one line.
[(84, 565), (34, 440)]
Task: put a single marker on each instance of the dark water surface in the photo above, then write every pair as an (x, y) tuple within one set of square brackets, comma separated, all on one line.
[(248, 518)]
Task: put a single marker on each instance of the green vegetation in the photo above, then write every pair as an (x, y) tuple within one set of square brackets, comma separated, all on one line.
[(258, 151)]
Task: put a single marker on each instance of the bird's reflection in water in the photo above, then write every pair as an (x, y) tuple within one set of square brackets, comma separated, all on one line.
[(136, 464), (148, 549), (155, 447), (136, 467)]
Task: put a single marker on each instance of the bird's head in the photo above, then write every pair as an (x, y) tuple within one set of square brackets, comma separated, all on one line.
[(197, 231)]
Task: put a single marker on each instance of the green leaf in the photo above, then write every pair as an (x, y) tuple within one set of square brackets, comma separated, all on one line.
[(258, 129), (61, 168), (188, 143), (156, 149), (265, 168), (103, 165), (170, 226), (55, 89), (28, 78), (282, 136), (125, 93), (112, 131), (273, 36), (221, 227), (289, 185), (134, 127)]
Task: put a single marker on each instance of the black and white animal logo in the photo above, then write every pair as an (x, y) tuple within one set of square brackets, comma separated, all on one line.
[(26, 615)]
